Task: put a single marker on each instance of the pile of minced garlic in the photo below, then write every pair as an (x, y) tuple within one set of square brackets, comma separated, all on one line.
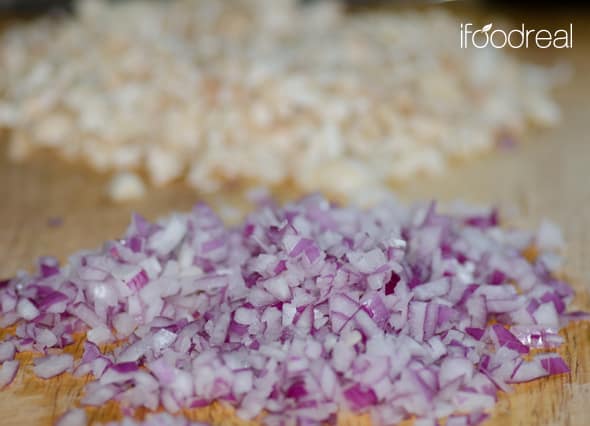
[(221, 91)]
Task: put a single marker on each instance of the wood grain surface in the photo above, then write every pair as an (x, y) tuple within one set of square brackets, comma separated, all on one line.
[(547, 176)]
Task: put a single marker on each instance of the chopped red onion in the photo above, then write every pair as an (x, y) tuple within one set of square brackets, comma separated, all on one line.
[(52, 365), (8, 371), (99, 335), (554, 364), (466, 420), (535, 336), (299, 312), (73, 417), (7, 351), (26, 309), (44, 339), (98, 394)]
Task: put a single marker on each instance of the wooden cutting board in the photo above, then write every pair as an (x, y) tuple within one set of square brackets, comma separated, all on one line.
[(548, 176)]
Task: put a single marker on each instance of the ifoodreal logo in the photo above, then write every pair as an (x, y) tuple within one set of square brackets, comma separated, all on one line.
[(516, 38)]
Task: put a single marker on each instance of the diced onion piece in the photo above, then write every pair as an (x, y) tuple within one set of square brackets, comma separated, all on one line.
[(126, 186), (73, 417), (8, 372), (7, 351), (52, 365)]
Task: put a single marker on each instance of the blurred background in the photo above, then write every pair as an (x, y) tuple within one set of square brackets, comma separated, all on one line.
[(534, 170)]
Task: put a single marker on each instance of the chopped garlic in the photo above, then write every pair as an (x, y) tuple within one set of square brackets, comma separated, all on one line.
[(126, 186)]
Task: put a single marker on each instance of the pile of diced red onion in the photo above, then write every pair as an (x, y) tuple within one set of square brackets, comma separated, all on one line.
[(301, 312)]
